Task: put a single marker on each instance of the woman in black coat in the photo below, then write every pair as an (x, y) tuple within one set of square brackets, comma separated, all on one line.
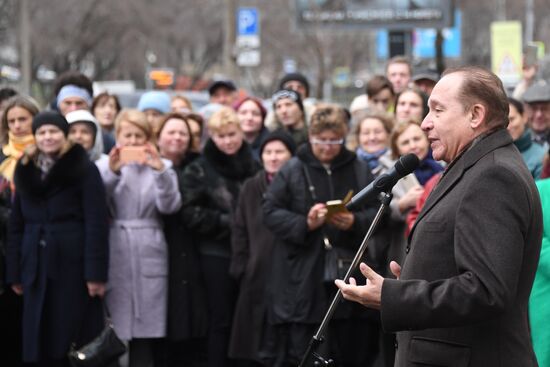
[(252, 245), (211, 186), (295, 211), (57, 255), (187, 314)]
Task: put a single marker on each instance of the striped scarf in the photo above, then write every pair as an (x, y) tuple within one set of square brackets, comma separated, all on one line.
[(370, 158)]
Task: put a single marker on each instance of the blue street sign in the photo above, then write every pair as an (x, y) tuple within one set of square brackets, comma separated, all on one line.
[(382, 44), (248, 22), (425, 40)]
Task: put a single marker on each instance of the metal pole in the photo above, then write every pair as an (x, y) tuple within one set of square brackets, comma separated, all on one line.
[(25, 45), (229, 40), (501, 10), (439, 57), (529, 21), (318, 338)]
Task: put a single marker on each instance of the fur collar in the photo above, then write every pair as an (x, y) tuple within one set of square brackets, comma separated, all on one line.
[(238, 166), (69, 169)]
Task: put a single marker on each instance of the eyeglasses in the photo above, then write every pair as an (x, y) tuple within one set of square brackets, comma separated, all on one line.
[(326, 142)]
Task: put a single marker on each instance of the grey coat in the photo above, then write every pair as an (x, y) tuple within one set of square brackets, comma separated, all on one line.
[(472, 255), (138, 266)]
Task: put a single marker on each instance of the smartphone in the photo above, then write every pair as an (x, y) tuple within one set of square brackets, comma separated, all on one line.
[(132, 154), (531, 55)]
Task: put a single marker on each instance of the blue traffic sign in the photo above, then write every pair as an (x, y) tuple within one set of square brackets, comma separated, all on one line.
[(425, 40), (382, 44), (248, 23)]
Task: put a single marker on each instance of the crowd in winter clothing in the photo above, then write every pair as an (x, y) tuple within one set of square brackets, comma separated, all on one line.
[(206, 234)]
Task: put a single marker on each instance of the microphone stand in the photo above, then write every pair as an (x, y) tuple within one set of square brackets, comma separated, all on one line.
[(318, 338)]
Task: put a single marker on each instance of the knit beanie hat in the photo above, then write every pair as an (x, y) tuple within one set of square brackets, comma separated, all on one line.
[(297, 77), (50, 118), (154, 100), (281, 136), (287, 93)]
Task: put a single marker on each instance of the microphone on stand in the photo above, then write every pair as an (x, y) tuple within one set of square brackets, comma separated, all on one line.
[(385, 182), (382, 184)]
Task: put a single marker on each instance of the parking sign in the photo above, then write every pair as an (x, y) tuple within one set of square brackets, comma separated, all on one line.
[(248, 37), (247, 22)]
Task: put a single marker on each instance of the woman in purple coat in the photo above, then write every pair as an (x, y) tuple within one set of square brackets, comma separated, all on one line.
[(139, 192)]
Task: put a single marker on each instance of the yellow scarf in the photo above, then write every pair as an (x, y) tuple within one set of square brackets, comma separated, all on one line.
[(13, 151)]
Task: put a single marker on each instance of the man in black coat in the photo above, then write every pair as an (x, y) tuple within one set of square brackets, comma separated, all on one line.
[(461, 297)]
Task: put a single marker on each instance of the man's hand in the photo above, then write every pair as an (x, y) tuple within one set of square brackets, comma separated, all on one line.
[(395, 269), (370, 294)]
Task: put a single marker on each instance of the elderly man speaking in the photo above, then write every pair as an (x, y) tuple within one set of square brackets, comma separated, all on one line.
[(461, 297)]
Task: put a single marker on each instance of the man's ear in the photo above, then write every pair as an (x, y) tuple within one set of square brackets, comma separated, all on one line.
[(478, 113)]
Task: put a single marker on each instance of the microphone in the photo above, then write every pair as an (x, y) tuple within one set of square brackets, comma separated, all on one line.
[(383, 183)]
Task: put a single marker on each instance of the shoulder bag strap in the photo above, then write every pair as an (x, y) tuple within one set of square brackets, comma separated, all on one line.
[(311, 188)]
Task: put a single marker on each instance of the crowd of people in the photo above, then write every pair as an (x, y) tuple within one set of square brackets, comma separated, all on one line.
[(206, 233)]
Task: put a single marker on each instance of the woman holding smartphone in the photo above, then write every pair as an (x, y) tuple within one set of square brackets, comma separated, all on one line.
[(141, 186)]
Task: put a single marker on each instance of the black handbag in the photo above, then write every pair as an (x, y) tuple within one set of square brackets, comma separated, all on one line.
[(337, 259), (337, 262), (104, 349)]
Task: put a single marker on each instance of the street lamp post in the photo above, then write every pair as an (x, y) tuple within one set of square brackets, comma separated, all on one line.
[(229, 40), (25, 46)]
